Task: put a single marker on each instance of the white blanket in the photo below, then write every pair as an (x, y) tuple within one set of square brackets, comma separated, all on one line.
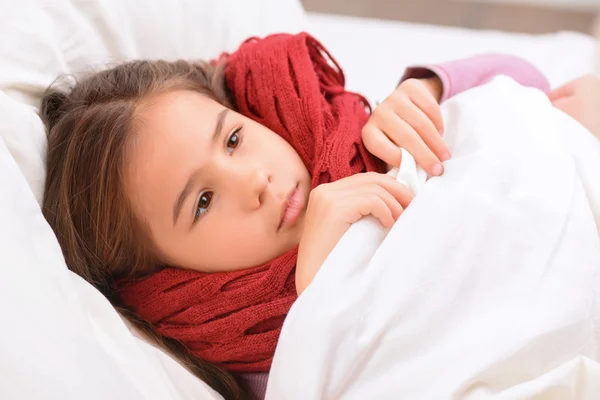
[(489, 283)]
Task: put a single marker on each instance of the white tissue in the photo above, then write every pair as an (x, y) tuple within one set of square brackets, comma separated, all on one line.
[(409, 174)]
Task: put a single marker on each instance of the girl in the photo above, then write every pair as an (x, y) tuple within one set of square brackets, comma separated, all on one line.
[(202, 198)]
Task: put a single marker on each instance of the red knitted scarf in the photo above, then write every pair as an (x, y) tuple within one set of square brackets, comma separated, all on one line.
[(291, 85)]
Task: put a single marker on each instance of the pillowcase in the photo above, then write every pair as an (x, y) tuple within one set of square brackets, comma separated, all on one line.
[(61, 337)]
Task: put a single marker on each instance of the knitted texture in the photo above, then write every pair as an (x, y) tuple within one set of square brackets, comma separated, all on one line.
[(290, 84)]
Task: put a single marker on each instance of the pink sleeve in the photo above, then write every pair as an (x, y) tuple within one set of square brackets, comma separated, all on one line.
[(460, 75)]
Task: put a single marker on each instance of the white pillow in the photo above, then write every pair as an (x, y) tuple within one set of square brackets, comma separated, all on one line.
[(44, 39), (61, 337)]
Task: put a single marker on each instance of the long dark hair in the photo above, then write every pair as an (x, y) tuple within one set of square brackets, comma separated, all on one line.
[(88, 124)]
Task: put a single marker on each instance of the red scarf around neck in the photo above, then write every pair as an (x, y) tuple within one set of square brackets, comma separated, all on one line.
[(291, 85)]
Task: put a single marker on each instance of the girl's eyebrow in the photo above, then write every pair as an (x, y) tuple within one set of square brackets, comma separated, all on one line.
[(189, 184), (219, 127)]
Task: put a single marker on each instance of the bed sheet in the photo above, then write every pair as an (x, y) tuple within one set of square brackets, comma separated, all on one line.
[(373, 53)]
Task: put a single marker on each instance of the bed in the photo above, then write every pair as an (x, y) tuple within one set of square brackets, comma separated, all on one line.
[(373, 52), (62, 339)]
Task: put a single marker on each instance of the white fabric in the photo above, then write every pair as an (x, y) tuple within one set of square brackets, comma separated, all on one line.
[(488, 285), (61, 339), (409, 173), (374, 53)]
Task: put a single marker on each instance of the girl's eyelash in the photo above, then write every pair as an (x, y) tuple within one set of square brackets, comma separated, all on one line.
[(234, 133), (208, 198)]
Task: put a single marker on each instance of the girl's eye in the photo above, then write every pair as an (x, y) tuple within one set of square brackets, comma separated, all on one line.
[(203, 204), (233, 141)]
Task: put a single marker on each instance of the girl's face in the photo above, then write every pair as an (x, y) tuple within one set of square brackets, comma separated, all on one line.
[(213, 186)]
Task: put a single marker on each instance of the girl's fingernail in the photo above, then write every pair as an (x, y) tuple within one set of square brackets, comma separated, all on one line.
[(446, 156), (437, 170)]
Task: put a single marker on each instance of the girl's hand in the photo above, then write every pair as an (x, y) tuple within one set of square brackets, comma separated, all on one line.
[(333, 207), (580, 99), (409, 118)]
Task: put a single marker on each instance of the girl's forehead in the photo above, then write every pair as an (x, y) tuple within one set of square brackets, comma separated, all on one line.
[(177, 106), (170, 141), (175, 120)]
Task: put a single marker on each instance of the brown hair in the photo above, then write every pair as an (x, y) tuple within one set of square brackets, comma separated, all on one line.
[(88, 124)]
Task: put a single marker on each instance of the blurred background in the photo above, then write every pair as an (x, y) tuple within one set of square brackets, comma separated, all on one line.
[(525, 16)]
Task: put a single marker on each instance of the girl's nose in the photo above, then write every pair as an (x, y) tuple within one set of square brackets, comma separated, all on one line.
[(258, 183), (250, 185)]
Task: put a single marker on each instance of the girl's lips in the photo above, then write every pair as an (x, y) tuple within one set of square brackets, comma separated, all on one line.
[(291, 208)]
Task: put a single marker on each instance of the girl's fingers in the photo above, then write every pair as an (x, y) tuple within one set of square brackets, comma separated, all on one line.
[(425, 101), (561, 103), (380, 145), (391, 202), (424, 126), (360, 183), (569, 105), (563, 91), (374, 205), (355, 181), (401, 133), (401, 193)]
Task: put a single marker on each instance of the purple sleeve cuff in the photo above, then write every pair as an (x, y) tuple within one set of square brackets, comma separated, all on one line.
[(255, 384), (460, 75)]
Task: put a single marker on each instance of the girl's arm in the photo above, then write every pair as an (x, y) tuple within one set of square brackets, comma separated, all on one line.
[(460, 75), (580, 99)]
